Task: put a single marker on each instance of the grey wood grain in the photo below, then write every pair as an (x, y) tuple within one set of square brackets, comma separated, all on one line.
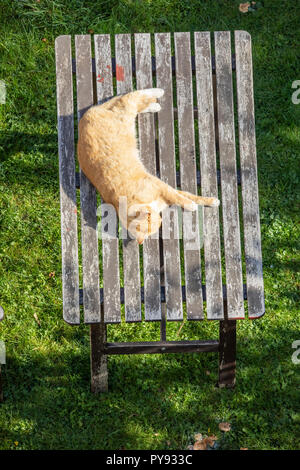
[(209, 187), (151, 260), (231, 225), (247, 148), (168, 175), (110, 243), (88, 199), (69, 239), (131, 265), (188, 178)]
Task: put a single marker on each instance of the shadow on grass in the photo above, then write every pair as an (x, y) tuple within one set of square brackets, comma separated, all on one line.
[(152, 399), (12, 142)]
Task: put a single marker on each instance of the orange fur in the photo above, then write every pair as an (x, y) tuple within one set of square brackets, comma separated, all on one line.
[(108, 155)]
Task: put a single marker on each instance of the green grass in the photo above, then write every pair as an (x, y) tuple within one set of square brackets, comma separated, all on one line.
[(155, 402)]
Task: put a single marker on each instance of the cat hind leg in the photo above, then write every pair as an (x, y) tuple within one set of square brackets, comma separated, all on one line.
[(148, 97)]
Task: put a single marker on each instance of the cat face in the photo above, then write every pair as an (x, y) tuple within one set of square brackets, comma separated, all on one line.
[(143, 221)]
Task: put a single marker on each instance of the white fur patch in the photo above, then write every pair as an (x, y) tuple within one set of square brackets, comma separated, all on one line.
[(215, 203), (152, 108), (158, 206), (192, 206)]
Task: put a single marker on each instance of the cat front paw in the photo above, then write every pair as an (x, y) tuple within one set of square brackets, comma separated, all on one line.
[(152, 108), (214, 202)]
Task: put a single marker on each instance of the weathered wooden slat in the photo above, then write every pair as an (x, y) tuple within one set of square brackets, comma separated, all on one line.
[(168, 174), (153, 65), (110, 244), (231, 226), (1, 313), (163, 294), (161, 347), (69, 239), (191, 239), (211, 228), (88, 200), (247, 148), (131, 265), (151, 264)]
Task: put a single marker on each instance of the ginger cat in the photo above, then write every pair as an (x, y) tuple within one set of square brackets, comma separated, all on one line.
[(108, 155)]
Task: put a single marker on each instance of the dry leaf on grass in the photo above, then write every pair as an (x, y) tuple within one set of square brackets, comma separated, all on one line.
[(178, 332), (211, 440), (52, 274), (244, 7), (200, 445), (36, 319), (224, 427), (244, 448), (203, 443)]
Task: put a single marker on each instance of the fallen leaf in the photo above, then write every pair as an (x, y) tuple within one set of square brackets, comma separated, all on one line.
[(36, 319), (244, 448), (200, 445), (244, 7), (44, 40), (52, 274), (91, 31), (211, 440), (178, 332), (224, 427)]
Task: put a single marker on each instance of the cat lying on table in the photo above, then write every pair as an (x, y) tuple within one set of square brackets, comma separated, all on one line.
[(108, 155)]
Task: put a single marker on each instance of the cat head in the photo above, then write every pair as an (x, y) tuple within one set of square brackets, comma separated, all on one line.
[(143, 221)]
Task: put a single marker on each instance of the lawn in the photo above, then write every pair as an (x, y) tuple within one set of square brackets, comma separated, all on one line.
[(155, 402)]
